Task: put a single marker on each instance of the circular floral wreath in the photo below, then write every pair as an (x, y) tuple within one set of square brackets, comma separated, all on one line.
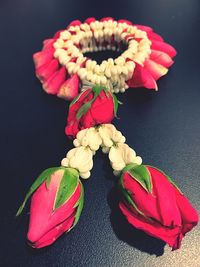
[(65, 71)]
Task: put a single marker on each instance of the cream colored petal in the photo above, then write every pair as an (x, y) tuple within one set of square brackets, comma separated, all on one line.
[(84, 141), (94, 146), (138, 160), (128, 154), (76, 143), (81, 134), (65, 162), (85, 167), (71, 153), (118, 166), (94, 139), (85, 175), (115, 155), (82, 159), (106, 133)]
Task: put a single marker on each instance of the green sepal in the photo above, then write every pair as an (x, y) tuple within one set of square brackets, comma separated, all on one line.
[(86, 106), (168, 178), (46, 174), (67, 187), (141, 174), (97, 90), (127, 196), (48, 180), (128, 167), (79, 206), (78, 96), (116, 104), (83, 110), (106, 92)]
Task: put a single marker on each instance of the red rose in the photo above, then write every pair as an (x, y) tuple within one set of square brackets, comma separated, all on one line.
[(92, 107), (56, 205), (152, 203)]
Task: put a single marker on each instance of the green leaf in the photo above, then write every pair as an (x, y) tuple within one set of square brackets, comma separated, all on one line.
[(168, 177), (97, 90), (115, 101), (79, 206), (67, 187), (83, 110), (141, 174), (41, 178), (74, 100), (86, 106), (128, 197), (78, 96)]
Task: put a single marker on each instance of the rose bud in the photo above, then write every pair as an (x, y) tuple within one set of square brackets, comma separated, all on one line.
[(69, 89), (92, 107), (152, 202), (56, 205), (43, 57)]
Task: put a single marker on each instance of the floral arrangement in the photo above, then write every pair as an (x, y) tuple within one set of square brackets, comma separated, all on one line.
[(150, 200)]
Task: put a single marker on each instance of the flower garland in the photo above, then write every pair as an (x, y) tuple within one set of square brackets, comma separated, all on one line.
[(62, 67), (58, 194)]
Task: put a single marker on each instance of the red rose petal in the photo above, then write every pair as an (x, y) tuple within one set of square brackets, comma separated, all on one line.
[(164, 47), (188, 213), (74, 23), (142, 78), (43, 57), (156, 70), (47, 70), (107, 19), (53, 84), (125, 21), (144, 28), (54, 233), (145, 201), (90, 20), (172, 236), (57, 34), (166, 199), (161, 58), (105, 114), (48, 43), (154, 36)]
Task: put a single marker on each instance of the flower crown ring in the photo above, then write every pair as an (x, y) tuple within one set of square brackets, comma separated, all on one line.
[(65, 71)]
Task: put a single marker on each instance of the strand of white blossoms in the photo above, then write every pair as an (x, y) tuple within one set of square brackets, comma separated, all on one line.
[(77, 40), (88, 141)]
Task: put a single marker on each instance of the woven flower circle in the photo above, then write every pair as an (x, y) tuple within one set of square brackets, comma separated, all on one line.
[(63, 69)]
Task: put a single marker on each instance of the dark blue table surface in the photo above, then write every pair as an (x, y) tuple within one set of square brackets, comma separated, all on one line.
[(163, 127)]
